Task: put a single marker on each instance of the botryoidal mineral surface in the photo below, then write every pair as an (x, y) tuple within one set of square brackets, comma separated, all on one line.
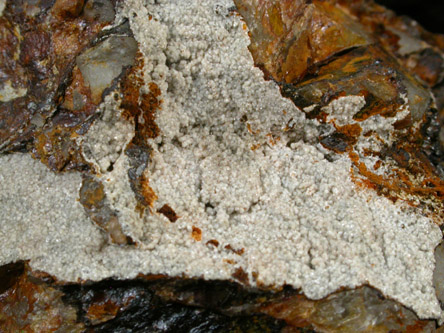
[(271, 143)]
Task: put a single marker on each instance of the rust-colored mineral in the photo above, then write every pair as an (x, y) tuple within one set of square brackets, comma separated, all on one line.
[(40, 46), (320, 51)]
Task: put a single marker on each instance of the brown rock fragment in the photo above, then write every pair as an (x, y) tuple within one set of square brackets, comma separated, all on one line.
[(105, 306), (39, 56), (294, 36), (78, 95), (418, 49), (103, 63), (93, 199), (168, 212), (35, 47), (30, 305), (346, 66), (338, 142), (360, 310), (67, 8), (428, 65), (380, 58), (36, 302), (55, 144)]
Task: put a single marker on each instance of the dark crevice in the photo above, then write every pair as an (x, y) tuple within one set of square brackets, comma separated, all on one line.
[(192, 305)]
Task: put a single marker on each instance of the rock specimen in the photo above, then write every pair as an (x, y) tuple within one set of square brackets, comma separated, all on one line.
[(158, 304), (277, 144)]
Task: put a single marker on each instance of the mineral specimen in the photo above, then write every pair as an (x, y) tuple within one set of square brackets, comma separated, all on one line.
[(290, 146), (32, 302)]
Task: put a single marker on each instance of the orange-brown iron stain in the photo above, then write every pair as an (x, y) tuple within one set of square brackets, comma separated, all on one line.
[(22, 294), (213, 242), (78, 86), (196, 234), (22, 302), (322, 117), (273, 139), (141, 108), (240, 275), (57, 149), (377, 165), (254, 275), (93, 195), (53, 43), (418, 327), (168, 212), (138, 105), (149, 104), (255, 147), (373, 107), (353, 131), (375, 136), (350, 135), (71, 31), (148, 193), (250, 130), (395, 186), (104, 309), (239, 252), (131, 89), (414, 173), (151, 277), (275, 24)]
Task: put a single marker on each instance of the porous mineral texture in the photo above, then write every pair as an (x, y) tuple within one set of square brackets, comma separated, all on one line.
[(287, 146)]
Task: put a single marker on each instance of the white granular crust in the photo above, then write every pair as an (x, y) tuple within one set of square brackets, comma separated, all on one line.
[(227, 164)]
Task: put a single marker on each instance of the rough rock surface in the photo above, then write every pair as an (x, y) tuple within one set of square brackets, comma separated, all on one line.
[(31, 301), (223, 145)]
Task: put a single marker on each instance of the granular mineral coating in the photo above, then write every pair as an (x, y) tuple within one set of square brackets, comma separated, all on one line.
[(251, 201)]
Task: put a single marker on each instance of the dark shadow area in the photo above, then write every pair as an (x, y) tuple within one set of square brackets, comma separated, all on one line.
[(428, 13)]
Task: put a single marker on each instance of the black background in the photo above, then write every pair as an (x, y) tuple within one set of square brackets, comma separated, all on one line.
[(428, 13)]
